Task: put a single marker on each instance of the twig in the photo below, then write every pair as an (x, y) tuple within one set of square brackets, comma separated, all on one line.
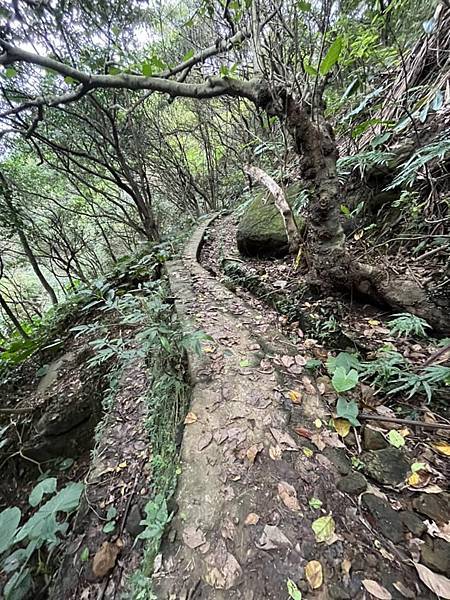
[(431, 252), (423, 425)]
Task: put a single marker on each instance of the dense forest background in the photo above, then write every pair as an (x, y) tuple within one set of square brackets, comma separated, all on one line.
[(123, 124)]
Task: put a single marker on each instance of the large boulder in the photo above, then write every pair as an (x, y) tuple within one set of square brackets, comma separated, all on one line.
[(261, 229)]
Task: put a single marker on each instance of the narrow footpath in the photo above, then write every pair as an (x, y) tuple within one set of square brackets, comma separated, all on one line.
[(258, 508)]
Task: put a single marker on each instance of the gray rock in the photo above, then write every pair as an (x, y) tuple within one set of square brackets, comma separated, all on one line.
[(355, 483), (339, 459), (387, 466), (373, 439), (387, 520), (261, 229), (133, 522), (412, 522), (435, 506), (435, 555)]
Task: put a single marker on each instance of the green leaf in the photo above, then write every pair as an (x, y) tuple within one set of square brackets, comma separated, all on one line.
[(112, 512), (9, 521), (158, 63), (396, 439), (293, 590), (109, 527), (304, 6), (323, 528), (331, 57), (10, 72), (315, 503), (187, 56), (309, 69), (147, 69), (65, 464), (84, 556), (343, 381), (18, 586), (47, 486), (345, 210), (244, 363), (112, 70), (43, 525), (418, 466), (69, 80), (348, 410), (345, 360)]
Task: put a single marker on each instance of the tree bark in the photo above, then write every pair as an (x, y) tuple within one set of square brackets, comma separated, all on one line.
[(35, 266), (281, 203), (12, 317)]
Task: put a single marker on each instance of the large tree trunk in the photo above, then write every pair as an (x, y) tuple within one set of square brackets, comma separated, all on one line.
[(331, 261), (281, 204)]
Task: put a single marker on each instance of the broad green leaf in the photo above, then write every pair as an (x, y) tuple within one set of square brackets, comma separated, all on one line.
[(348, 410), (345, 360), (43, 524), (18, 586), (47, 486), (418, 466), (396, 439), (147, 69), (331, 57), (324, 528), (20, 556), (309, 69), (84, 556), (343, 381), (9, 521), (345, 210), (304, 6), (187, 56), (112, 512), (293, 590)]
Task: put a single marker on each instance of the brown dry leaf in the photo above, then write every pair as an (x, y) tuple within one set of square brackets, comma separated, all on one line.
[(105, 559), (377, 590), (204, 441), (275, 452), (284, 439), (302, 432), (272, 537), (252, 519), (404, 591), (295, 397), (438, 584), (310, 389), (288, 495), (253, 452), (318, 441), (442, 448), (300, 360), (419, 479), (346, 565), (190, 418), (287, 361), (193, 537), (314, 574), (342, 426)]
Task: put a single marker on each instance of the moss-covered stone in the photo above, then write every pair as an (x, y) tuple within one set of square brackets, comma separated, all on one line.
[(261, 229)]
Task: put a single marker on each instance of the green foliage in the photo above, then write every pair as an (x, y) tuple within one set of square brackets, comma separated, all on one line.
[(343, 381), (409, 171), (364, 161), (331, 57), (407, 324), (348, 409), (41, 531), (293, 590)]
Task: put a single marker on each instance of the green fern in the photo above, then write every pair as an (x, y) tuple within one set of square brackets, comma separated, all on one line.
[(363, 161), (407, 324), (407, 174)]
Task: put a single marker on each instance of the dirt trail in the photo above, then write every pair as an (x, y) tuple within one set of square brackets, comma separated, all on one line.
[(251, 487)]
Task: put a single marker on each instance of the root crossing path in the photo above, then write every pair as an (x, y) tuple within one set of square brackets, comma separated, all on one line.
[(259, 469)]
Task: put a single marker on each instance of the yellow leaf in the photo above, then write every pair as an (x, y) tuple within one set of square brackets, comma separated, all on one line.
[(374, 322), (442, 448), (307, 452), (324, 528), (295, 397), (314, 574), (414, 479), (190, 418), (342, 426), (318, 423)]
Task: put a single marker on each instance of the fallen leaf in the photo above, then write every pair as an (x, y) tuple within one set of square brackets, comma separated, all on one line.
[(307, 452), (342, 426), (288, 495), (419, 479), (309, 386), (287, 361), (438, 584), (293, 590), (272, 537), (204, 441), (253, 452), (314, 574), (275, 452), (105, 559), (296, 397), (252, 519), (283, 439), (404, 591), (317, 423), (377, 590), (346, 565), (190, 418), (324, 528), (442, 448), (315, 503), (193, 537), (374, 322), (395, 439), (302, 432)]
